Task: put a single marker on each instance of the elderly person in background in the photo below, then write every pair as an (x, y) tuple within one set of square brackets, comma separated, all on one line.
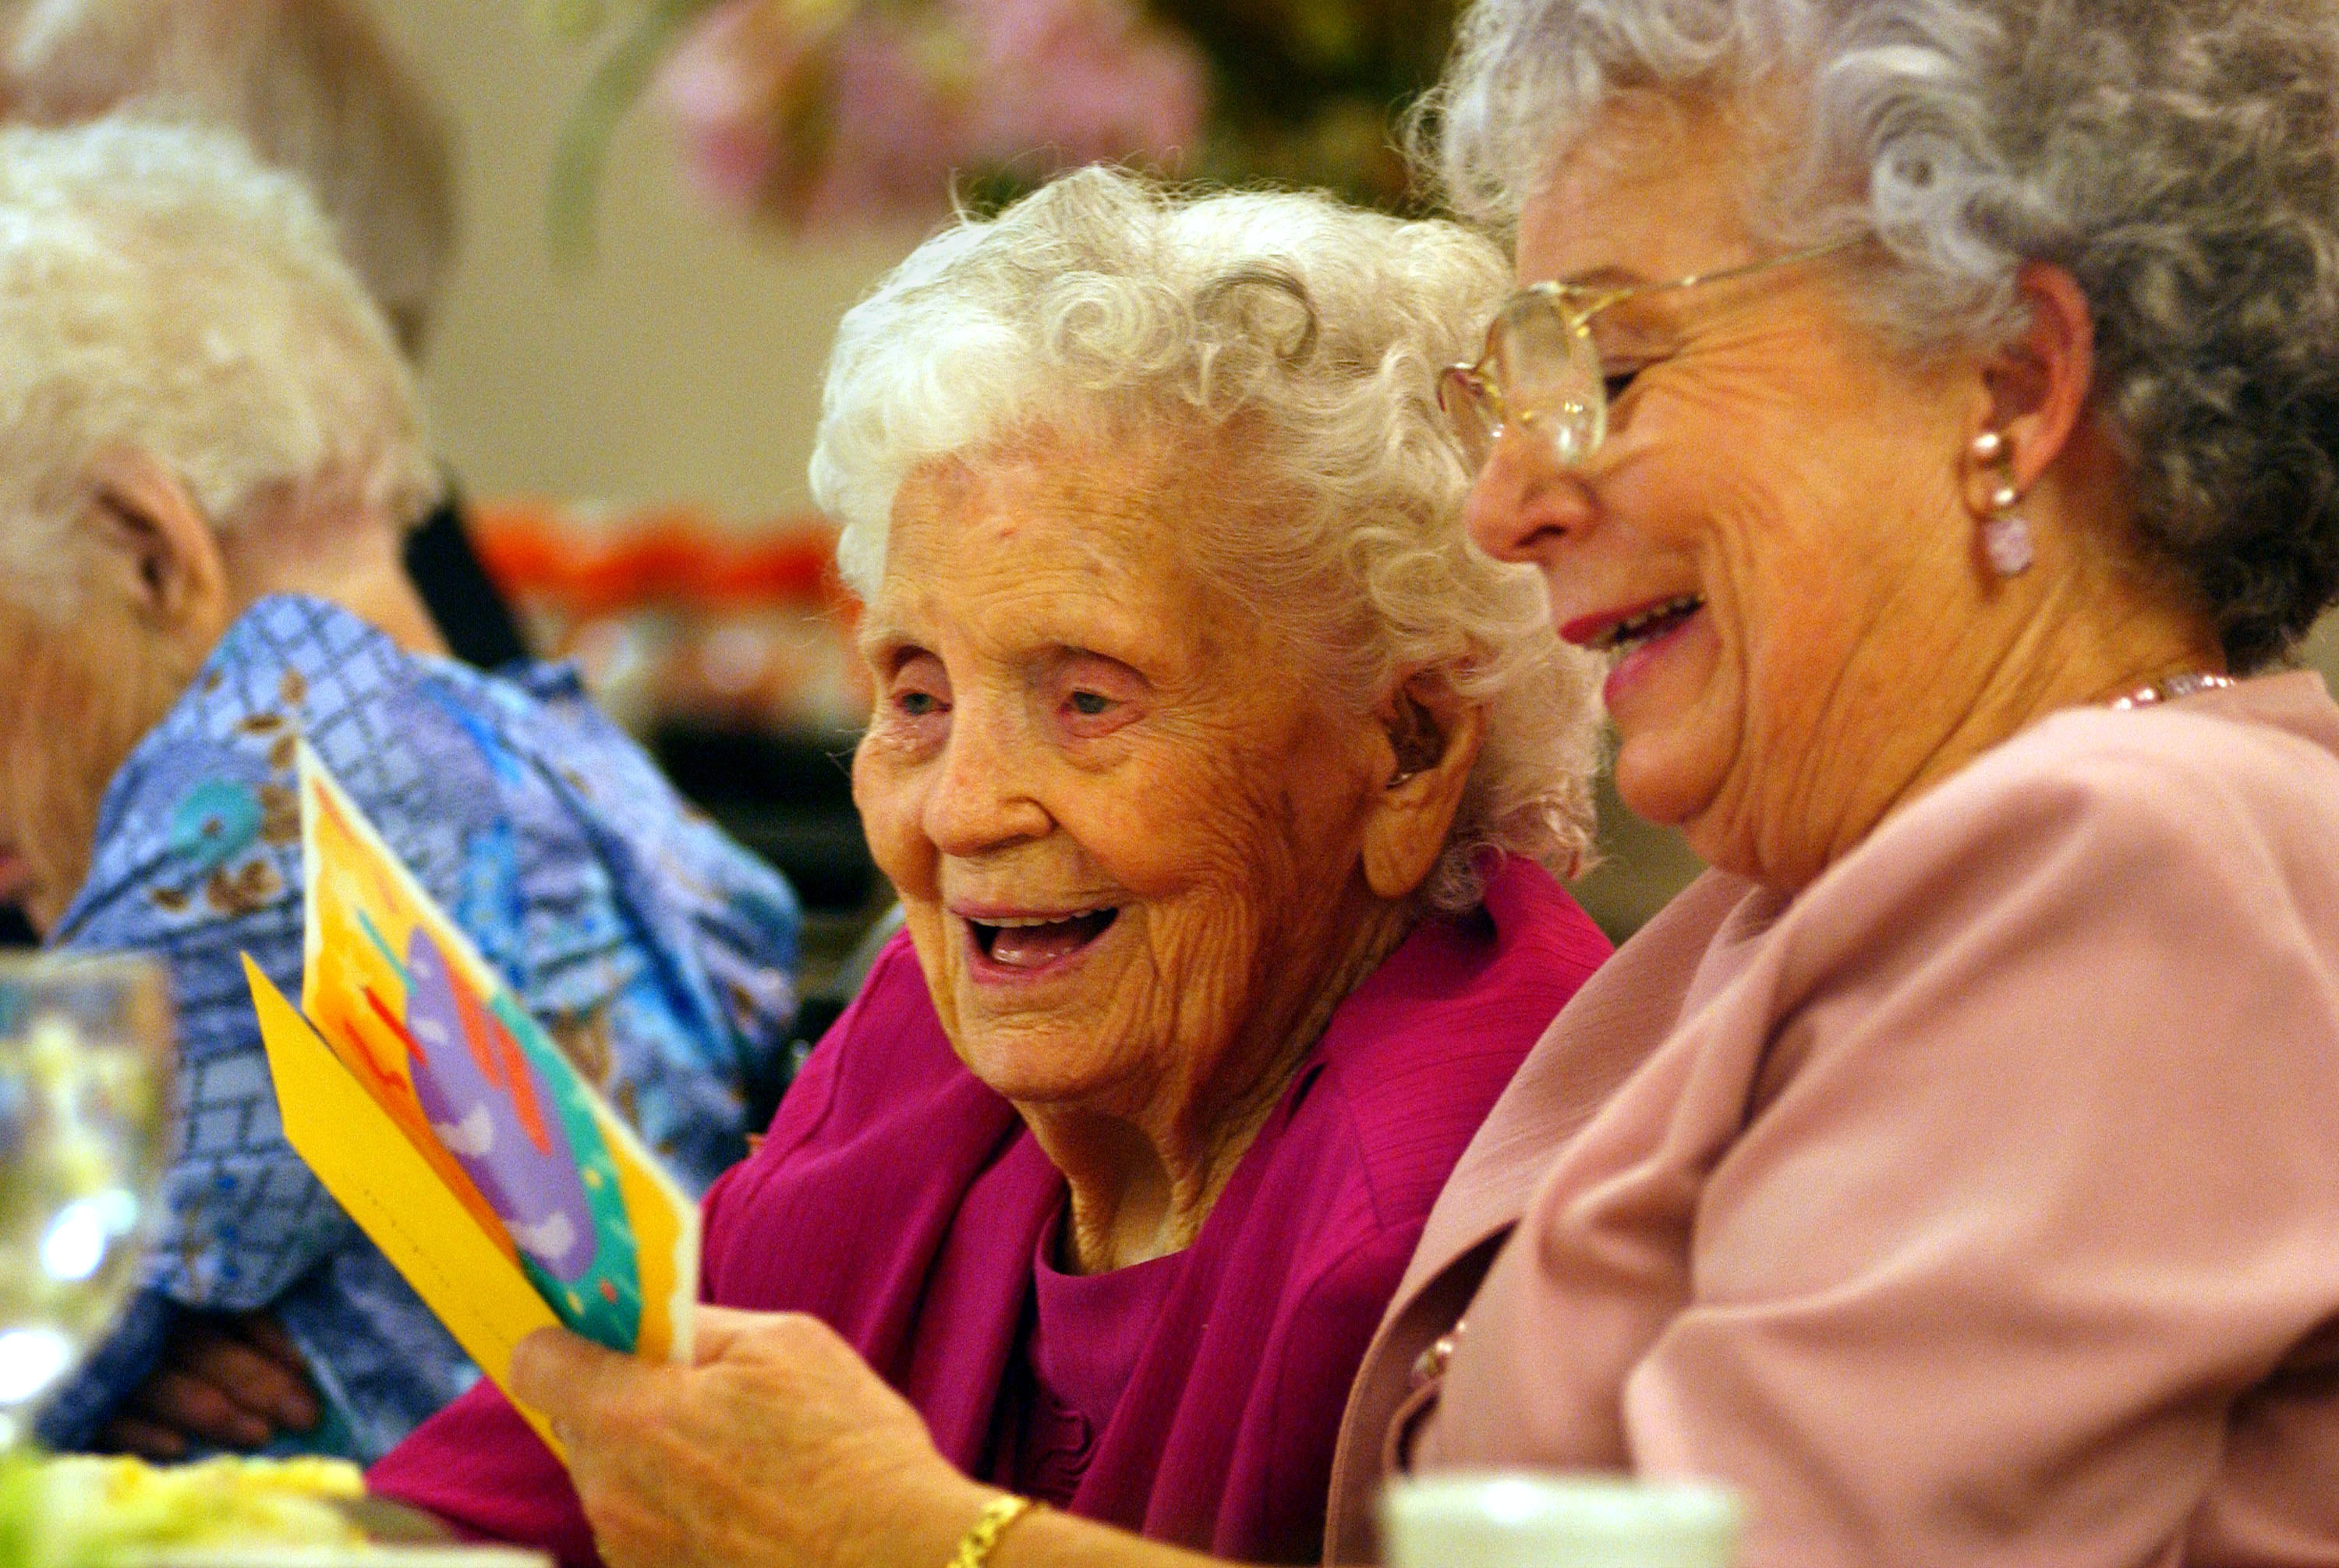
[(1223, 784), (1932, 408), (210, 451), (314, 88)]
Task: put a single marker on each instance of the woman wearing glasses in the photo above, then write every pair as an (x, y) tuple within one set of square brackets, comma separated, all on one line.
[(1971, 1193)]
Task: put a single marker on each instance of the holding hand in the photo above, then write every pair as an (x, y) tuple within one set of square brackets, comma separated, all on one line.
[(779, 1446)]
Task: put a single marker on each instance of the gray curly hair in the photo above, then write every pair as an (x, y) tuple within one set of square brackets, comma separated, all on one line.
[(1305, 336), (2179, 158)]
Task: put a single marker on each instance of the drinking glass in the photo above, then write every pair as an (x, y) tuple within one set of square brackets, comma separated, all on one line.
[(1498, 1519), (86, 1079)]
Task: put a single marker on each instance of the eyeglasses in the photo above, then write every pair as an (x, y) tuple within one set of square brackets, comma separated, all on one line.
[(1543, 372)]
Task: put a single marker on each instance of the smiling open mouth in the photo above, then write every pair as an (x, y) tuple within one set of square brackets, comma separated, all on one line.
[(1649, 625), (1036, 942)]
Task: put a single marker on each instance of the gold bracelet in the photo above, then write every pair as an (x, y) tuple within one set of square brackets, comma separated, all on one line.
[(975, 1547)]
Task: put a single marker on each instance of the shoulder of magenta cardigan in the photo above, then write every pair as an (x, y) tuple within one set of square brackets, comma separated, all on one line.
[(885, 1092)]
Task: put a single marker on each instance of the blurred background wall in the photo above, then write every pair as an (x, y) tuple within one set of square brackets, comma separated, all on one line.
[(681, 364)]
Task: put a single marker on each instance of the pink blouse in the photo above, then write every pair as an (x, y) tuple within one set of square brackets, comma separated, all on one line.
[(1978, 1206)]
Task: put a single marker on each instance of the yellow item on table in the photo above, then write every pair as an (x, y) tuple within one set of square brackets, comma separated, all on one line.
[(82, 1512)]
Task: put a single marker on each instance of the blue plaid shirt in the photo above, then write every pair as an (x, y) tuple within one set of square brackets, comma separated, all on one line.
[(657, 952)]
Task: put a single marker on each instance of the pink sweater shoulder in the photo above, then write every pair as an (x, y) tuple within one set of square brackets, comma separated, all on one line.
[(1983, 1204)]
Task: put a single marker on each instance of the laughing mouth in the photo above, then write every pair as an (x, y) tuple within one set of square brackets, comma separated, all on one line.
[(1648, 624), (1037, 941)]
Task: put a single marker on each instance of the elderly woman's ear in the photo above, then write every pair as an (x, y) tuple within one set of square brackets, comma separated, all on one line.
[(1431, 736), (2036, 388), (156, 551)]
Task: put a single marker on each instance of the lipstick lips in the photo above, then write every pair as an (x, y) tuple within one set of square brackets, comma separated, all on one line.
[(1610, 630), (1637, 635)]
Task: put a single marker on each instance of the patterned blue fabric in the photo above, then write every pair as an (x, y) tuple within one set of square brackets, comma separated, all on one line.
[(657, 952)]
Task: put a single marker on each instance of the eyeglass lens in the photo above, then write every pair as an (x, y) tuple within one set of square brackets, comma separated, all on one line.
[(1542, 373)]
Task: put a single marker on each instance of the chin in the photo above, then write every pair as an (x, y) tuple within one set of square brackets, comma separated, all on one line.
[(1655, 787), (1017, 1054)]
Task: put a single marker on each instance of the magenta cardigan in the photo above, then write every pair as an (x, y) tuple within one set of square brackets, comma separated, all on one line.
[(901, 1202)]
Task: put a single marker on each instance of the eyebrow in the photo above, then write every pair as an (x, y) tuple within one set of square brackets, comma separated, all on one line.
[(1608, 277), (1064, 654), (875, 634)]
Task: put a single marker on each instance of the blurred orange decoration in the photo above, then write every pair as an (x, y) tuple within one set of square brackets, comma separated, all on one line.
[(680, 619)]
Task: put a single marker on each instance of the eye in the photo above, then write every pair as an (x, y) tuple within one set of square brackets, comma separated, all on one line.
[(1626, 347), (920, 687), (1093, 695), (1618, 372)]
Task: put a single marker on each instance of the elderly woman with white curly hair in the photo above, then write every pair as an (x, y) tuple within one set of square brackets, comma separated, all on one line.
[(1223, 783), (1932, 407), (210, 451)]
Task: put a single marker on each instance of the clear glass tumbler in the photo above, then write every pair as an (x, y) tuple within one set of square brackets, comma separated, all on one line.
[(85, 1086)]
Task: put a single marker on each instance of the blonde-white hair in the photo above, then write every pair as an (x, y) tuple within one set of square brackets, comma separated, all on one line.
[(313, 87), (1305, 338), (161, 293)]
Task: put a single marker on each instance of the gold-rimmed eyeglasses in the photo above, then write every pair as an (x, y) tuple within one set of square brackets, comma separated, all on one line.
[(1543, 372)]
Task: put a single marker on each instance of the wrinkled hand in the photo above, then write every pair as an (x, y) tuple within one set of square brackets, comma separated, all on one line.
[(778, 1447), (234, 1380)]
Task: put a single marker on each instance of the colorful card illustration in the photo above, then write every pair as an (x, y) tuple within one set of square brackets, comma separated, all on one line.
[(453, 1129)]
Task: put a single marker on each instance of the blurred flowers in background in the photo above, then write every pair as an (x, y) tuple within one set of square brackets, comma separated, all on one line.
[(812, 114), (822, 113)]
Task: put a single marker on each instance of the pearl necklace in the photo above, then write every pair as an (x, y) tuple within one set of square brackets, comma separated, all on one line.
[(2170, 689)]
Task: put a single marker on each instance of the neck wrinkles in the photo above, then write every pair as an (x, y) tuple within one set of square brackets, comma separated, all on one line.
[(2057, 661), (1142, 1191)]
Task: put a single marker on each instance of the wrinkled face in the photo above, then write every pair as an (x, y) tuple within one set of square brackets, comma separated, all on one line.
[(1123, 820), (1772, 538)]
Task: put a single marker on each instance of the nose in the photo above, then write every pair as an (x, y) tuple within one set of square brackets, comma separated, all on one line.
[(982, 799), (1525, 502)]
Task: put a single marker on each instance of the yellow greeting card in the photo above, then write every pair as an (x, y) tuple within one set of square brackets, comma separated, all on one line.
[(453, 1129)]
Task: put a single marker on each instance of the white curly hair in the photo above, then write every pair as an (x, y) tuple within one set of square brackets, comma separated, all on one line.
[(160, 292), (1306, 337)]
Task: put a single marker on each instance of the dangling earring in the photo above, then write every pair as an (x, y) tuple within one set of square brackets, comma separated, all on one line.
[(2005, 533)]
